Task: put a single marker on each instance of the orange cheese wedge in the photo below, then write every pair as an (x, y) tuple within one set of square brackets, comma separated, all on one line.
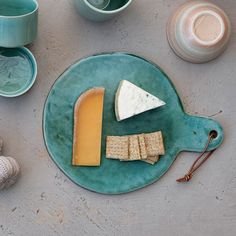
[(88, 113)]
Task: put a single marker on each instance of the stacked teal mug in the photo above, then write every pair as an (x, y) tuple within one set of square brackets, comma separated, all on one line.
[(18, 27)]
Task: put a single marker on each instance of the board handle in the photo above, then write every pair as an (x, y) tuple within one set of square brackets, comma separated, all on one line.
[(195, 133)]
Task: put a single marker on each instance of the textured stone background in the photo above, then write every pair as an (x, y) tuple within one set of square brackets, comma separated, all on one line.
[(45, 202)]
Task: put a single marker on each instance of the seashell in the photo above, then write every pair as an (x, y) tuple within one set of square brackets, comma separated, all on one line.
[(9, 172), (1, 145)]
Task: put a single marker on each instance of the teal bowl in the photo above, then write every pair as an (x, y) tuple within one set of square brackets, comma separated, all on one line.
[(18, 22), (18, 71), (90, 12)]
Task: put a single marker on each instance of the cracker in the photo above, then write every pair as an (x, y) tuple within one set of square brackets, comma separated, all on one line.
[(161, 143), (152, 160), (154, 144), (142, 147), (134, 153), (149, 161), (117, 147)]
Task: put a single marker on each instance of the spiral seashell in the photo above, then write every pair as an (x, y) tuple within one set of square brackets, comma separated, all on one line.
[(9, 172), (1, 145)]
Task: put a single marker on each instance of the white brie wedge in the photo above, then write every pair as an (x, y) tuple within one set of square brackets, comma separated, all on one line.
[(132, 100)]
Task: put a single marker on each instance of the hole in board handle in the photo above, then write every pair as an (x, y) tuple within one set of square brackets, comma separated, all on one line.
[(214, 134)]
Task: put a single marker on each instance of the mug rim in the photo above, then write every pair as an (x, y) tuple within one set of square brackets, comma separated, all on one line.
[(23, 15), (107, 12)]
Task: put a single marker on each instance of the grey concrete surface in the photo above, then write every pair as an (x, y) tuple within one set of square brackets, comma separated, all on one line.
[(45, 202)]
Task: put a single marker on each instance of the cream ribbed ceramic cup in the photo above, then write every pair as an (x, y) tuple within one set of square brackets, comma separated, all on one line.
[(198, 31)]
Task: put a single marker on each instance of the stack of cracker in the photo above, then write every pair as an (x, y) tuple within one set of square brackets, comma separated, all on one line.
[(139, 147)]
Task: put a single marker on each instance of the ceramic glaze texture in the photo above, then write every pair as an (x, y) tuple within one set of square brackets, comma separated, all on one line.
[(207, 27), (116, 5), (18, 71), (18, 22), (92, 13), (180, 131), (198, 31), (100, 4)]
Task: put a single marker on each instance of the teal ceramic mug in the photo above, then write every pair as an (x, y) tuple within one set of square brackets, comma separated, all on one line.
[(18, 22), (89, 11)]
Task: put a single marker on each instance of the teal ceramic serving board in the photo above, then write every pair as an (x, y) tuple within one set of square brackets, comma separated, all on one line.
[(181, 132)]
